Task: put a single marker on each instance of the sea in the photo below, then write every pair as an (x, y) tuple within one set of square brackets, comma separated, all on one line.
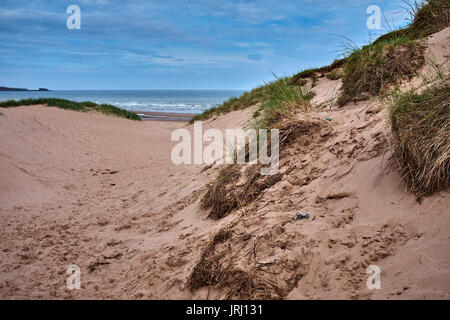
[(176, 101)]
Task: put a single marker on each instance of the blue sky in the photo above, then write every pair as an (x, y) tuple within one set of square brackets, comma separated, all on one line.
[(196, 44)]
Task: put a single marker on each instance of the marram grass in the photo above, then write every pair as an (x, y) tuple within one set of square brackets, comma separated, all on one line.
[(72, 105), (420, 125)]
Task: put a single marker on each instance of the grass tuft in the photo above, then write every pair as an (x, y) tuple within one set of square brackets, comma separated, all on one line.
[(282, 100), (272, 95), (369, 71), (429, 17), (420, 126), (72, 105)]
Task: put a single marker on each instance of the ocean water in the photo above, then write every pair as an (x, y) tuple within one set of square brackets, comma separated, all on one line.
[(188, 101)]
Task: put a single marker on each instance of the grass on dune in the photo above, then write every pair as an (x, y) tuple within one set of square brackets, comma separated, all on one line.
[(291, 85), (420, 125), (394, 56), (369, 71), (280, 87), (428, 17), (72, 105), (277, 100), (270, 95), (282, 101)]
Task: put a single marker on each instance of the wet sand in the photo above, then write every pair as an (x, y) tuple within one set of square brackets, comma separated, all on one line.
[(164, 116)]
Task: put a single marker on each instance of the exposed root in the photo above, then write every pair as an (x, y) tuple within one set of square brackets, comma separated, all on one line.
[(216, 269)]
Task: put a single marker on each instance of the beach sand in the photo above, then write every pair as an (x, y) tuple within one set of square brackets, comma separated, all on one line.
[(101, 193), (164, 116), (77, 188)]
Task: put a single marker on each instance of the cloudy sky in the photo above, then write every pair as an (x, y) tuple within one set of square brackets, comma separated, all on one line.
[(190, 44)]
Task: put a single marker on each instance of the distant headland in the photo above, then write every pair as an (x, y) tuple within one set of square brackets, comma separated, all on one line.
[(21, 89)]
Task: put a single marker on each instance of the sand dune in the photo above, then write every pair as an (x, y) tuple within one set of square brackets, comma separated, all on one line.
[(78, 188), (101, 192)]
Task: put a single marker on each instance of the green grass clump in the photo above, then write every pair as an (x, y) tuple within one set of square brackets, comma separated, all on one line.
[(373, 68), (282, 100), (72, 105), (420, 126), (429, 17), (266, 95), (260, 94)]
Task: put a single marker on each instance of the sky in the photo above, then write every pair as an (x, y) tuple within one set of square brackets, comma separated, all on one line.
[(173, 45)]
